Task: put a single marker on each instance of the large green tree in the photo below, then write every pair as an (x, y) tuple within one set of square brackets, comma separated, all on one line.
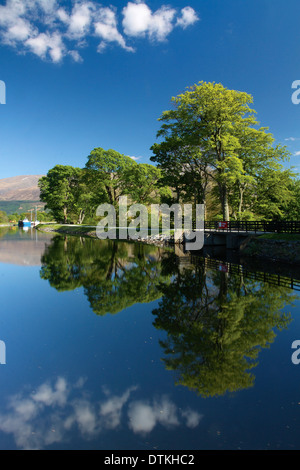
[(105, 172), (212, 131), (59, 190)]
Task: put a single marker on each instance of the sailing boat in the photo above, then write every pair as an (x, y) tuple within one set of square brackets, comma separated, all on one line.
[(24, 223), (29, 223)]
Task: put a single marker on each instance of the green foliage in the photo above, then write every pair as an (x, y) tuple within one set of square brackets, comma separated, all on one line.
[(3, 217), (105, 169), (212, 136), (142, 183), (291, 208), (60, 191)]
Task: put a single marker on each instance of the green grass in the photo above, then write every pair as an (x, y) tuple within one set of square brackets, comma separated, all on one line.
[(280, 236), (76, 230)]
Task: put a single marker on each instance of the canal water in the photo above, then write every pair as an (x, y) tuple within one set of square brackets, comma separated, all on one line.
[(123, 346)]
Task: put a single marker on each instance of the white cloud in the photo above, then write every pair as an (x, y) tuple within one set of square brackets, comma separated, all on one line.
[(80, 19), (20, 31), (162, 23), (188, 17), (297, 154), (46, 43), (139, 20), (76, 56), (106, 28), (50, 30), (134, 158)]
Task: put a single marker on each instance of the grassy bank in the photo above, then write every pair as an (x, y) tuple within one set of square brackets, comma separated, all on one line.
[(280, 236), (81, 230)]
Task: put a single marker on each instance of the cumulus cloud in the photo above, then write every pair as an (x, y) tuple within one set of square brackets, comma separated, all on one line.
[(106, 27), (139, 20), (51, 31), (45, 43), (55, 410), (79, 22), (188, 17)]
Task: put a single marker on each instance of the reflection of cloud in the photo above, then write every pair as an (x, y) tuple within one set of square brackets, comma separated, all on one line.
[(144, 417), (192, 418), (112, 408), (23, 419), (49, 397), (48, 415)]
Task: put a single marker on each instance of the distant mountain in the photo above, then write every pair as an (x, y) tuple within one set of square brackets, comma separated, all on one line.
[(20, 188)]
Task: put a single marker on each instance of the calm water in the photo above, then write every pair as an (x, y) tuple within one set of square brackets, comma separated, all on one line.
[(119, 346)]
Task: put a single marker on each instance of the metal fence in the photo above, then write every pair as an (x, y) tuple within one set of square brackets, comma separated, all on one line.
[(254, 226)]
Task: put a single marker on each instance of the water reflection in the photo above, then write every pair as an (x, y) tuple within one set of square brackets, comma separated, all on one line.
[(22, 247), (114, 275), (215, 324), (55, 410)]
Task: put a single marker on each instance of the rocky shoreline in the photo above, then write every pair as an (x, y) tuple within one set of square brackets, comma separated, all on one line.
[(159, 240)]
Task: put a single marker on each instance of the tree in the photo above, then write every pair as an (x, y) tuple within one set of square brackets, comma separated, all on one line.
[(214, 131), (182, 170), (105, 170), (142, 182), (3, 217), (291, 209), (59, 190)]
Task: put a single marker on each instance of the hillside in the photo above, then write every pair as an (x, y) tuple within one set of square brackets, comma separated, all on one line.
[(20, 188)]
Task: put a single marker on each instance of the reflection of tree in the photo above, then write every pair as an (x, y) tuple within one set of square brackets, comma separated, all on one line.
[(114, 275), (216, 325)]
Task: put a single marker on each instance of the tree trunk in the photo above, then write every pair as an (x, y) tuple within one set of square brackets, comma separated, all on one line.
[(224, 202), (241, 199), (81, 217), (65, 214)]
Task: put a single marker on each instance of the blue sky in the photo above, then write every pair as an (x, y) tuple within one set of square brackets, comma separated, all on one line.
[(88, 74)]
